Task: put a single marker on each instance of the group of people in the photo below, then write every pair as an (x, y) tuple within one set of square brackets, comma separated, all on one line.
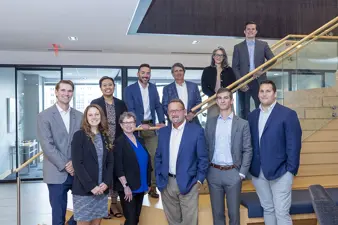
[(99, 153)]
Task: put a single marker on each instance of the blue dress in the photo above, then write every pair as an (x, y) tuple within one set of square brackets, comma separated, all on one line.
[(142, 159), (87, 208)]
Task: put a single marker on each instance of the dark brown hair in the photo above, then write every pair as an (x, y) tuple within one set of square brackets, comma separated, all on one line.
[(103, 125), (224, 90), (143, 65), (224, 63), (177, 101), (57, 86), (250, 22), (269, 82)]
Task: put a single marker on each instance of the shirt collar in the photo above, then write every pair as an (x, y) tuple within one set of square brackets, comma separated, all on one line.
[(228, 118), (180, 127), (61, 110), (139, 84), (250, 42), (180, 85), (270, 107)]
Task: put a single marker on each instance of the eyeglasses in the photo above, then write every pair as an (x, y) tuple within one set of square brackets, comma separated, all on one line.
[(218, 55), (128, 123)]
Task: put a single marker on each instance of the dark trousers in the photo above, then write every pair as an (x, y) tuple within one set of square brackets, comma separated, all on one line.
[(244, 99), (58, 201), (132, 209)]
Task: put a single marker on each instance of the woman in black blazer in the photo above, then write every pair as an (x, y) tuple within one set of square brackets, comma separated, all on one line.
[(93, 162), (112, 108), (132, 169), (218, 74)]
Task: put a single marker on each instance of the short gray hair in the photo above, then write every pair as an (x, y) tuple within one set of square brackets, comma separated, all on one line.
[(127, 115)]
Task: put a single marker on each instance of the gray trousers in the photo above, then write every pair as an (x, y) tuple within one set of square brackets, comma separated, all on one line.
[(180, 209), (150, 140), (275, 198), (226, 183)]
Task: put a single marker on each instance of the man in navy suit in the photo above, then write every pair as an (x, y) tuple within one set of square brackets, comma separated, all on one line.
[(276, 140), (142, 99), (181, 89), (180, 166)]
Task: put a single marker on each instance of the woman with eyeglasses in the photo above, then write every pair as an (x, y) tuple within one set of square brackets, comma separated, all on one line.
[(218, 74), (132, 169)]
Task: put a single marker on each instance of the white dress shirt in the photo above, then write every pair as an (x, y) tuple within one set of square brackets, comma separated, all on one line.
[(145, 100), (175, 141), (65, 115), (263, 118), (182, 92)]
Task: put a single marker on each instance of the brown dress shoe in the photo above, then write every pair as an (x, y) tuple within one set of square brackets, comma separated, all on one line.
[(153, 193)]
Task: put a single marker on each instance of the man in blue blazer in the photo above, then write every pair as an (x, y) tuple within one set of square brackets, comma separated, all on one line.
[(276, 140), (142, 99), (181, 89), (181, 164)]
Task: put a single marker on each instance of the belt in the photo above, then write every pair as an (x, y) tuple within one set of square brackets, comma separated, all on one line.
[(147, 121), (172, 175), (222, 167)]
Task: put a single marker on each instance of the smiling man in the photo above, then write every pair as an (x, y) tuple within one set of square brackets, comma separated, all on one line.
[(247, 56), (230, 153), (181, 89), (180, 166), (276, 139), (55, 128)]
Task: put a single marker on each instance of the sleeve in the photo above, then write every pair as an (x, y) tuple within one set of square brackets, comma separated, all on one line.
[(204, 83), (293, 134), (202, 155), (78, 158), (46, 140), (158, 156), (247, 150), (165, 100), (198, 98), (118, 158), (236, 63), (268, 55)]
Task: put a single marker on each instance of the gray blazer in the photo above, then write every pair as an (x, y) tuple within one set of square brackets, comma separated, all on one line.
[(241, 149), (241, 60), (56, 142)]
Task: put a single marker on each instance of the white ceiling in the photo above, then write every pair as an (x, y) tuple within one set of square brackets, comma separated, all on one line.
[(99, 25)]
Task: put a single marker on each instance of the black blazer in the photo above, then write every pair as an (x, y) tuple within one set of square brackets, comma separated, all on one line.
[(209, 77), (120, 107), (126, 164), (86, 167)]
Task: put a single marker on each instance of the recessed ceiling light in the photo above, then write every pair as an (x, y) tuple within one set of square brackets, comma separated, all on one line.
[(73, 38), (195, 42)]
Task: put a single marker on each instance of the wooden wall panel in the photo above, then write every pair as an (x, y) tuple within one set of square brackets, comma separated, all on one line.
[(276, 18), (319, 147)]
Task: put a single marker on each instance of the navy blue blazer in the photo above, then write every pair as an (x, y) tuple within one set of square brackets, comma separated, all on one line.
[(192, 159), (133, 99), (170, 92), (280, 144)]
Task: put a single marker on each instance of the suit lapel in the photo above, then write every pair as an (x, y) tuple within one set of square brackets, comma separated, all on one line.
[(72, 121), (256, 49), (234, 128), (139, 95), (92, 148), (189, 89), (213, 124), (105, 150), (58, 119), (271, 117), (173, 91), (185, 134), (246, 50)]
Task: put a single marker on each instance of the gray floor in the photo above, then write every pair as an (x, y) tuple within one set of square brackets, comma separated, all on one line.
[(35, 208)]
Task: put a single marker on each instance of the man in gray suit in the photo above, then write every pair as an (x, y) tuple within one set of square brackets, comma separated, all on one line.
[(230, 153), (56, 126), (247, 56)]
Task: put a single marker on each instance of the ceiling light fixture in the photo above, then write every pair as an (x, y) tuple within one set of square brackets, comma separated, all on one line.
[(195, 42), (72, 38)]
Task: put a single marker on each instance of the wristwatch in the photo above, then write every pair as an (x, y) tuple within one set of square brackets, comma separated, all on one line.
[(125, 185)]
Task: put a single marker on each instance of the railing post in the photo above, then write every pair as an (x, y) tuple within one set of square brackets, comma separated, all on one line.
[(18, 200)]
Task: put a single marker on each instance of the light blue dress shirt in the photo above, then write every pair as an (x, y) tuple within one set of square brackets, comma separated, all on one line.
[(251, 48), (263, 117)]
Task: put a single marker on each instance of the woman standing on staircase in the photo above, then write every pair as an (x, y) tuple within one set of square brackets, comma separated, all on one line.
[(132, 169), (93, 162)]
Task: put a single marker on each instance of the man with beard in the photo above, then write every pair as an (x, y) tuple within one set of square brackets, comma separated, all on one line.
[(180, 166), (143, 100), (56, 126)]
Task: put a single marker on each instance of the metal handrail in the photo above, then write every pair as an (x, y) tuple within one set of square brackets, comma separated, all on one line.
[(271, 61)]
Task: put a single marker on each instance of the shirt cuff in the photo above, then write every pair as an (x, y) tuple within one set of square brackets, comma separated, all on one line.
[(199, 182), (242, 175)]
